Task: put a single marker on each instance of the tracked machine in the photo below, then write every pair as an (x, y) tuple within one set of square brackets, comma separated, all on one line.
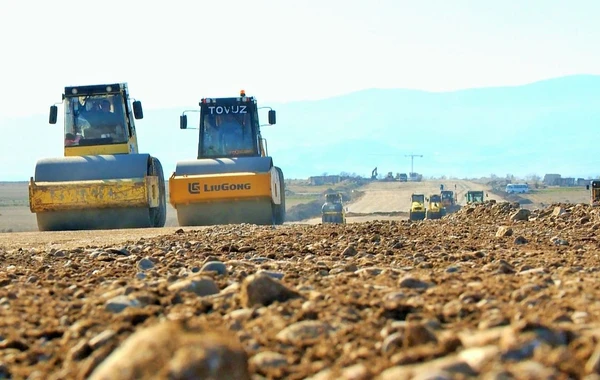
[(435, 209), (417, 207), (333, 210), (102, 182), (233, 180)]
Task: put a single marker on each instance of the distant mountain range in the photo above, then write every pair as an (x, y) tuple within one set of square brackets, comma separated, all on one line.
[(543, 127)]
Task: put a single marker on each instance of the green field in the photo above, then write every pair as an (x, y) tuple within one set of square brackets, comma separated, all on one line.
[(540, 198)]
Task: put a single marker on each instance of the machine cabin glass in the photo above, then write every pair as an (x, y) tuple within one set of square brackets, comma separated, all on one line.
[(95, 120), (228, 134), (476, 197), (435, 198), (418, 198), (333, 198)]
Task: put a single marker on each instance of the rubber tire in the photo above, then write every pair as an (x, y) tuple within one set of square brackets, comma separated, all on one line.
[(279, 210), (158, 215)]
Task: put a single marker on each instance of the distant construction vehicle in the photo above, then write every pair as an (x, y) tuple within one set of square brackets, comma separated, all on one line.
[(415, 177), (403, 177), (449, 201), (594, 193), (474, 197), (102, 182), (435, 210), (417, 207), (233, 180), (333, 210)]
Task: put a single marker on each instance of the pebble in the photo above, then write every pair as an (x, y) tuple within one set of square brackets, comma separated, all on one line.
[(214, 266)]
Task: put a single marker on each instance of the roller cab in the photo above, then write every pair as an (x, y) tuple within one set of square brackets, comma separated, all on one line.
[(475, 196), (233, 180), (102, 182), (417, 207), (435, 209)]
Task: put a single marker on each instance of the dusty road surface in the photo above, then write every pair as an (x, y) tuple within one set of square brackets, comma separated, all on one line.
[(488, 292), (395, 196), (74, 239)]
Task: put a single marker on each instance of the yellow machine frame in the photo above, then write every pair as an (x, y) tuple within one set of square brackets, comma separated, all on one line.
[(78, 195), (99, 178), (186, 189)]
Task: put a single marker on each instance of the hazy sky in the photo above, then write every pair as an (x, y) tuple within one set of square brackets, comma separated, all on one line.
[(174, 52)]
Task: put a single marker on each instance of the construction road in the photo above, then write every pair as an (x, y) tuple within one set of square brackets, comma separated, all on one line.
[(391, 200)]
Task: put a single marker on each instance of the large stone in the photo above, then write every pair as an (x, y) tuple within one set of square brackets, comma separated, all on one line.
[(521, 214), (413, 283), (169, 351), (504, 231), (304, 333), (262, 289), (201, 286)]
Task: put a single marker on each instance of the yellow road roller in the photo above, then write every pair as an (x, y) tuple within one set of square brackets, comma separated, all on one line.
[(333, 210), (102, 182), (417, 207), (435, 209), (233, 180)]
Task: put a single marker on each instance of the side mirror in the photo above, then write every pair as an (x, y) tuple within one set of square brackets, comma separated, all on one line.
[(183, 122), (53, 114), (272, 117), (138, 112)]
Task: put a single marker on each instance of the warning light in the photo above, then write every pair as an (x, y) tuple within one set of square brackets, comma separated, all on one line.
[(242, 93)]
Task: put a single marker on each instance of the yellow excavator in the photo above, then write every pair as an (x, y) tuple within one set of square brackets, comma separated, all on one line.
[(102, 182), (417, 207), (435, 209), (233, 180)]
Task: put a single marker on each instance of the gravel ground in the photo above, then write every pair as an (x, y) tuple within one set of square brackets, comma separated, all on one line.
[(492, 291)]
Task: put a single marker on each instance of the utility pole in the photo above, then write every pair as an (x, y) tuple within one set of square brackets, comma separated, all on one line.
[(412, 159)]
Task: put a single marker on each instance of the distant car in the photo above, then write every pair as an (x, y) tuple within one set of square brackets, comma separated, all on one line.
[(517, 188)]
